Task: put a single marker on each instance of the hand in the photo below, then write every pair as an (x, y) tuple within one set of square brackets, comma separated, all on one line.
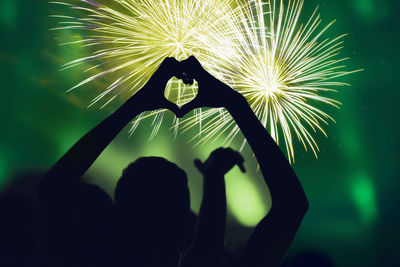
[(151, 96), (212, 92), (220, 161)]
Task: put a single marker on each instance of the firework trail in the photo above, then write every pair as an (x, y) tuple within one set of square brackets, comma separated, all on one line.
[(132, 37), (281, 66)]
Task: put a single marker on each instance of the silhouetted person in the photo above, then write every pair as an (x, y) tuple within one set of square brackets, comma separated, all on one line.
[(153, 204), (208, 246), (25, 183), (274, 234), (19, 240), (152, 197), (80, 225), (81, 216)]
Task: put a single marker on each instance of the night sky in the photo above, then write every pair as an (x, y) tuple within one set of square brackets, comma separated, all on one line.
[(352, 187)]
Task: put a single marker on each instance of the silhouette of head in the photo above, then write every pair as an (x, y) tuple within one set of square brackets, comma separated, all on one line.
[(81, 226), (152, 198)]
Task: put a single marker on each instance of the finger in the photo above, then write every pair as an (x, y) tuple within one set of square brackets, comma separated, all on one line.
[(241, 166), (166, 63), (189, 107), (170, 67), (180, 75), (176, 69), (218, 151), (192, 67), (240, 161), (199, 165), (172, 107), (179, 71), (194, 62), (187, 80), (235, 157)]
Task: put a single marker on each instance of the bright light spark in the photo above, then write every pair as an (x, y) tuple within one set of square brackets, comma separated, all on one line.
[(281, 67), (260, 48), (132, 37)]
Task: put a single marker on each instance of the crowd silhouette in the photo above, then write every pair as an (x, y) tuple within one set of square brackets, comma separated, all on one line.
[(149, 223)]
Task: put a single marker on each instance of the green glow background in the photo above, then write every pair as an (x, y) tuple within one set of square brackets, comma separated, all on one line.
[(352, 187)]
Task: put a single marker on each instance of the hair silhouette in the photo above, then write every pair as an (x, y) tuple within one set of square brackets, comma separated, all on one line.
[(80, 226), (153, 204), (150, 224)]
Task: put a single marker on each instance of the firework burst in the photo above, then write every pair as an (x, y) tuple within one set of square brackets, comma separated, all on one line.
[(282, 68), (132, 37)]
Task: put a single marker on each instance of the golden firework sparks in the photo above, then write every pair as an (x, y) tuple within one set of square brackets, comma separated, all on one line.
[(132, 37), (281, 67)]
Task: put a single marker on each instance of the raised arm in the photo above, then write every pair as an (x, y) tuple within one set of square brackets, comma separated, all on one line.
[(68, 170), (273, 235), (209, 242)]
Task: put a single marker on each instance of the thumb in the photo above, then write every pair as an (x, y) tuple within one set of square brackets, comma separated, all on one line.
[(172, 107), (239, 161), (241, 166), (193, 68), (189, 107), (199, 165)]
